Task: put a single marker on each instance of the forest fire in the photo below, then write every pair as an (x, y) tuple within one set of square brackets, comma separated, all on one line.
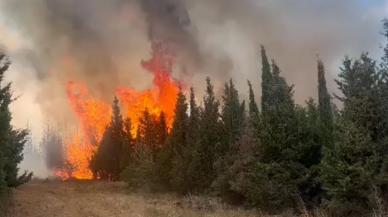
[(94, 115)]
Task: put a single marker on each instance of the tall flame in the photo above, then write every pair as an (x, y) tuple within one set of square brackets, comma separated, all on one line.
[(94, 115)]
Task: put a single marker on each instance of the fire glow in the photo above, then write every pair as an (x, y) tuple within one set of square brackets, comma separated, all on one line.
[(94, 115)]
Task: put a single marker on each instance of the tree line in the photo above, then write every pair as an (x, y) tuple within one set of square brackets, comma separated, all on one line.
[(273, 156)]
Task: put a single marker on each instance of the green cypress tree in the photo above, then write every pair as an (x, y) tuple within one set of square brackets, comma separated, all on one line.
[(266, 81), (253, 108), (232, 115), (192, 152), (178, 143), (128, 144), (233, 119), (209, 129), (111, 156), (164, 155), (178, 137), (325, 108), (351, 169), (280, 174), (12, 140), (140, 169)]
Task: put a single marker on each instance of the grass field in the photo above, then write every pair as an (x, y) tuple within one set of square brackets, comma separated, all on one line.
[(102, 199)]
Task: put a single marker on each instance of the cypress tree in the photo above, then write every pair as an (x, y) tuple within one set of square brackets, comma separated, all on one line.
[(280, 171), (350, 169), (193, 150), (233, 119), (178, 137), (209, 129), (233, 115), (266, 81), (253, 108), (325, 108), (112, 155), (12, 140), (163, 161), (178, 143)]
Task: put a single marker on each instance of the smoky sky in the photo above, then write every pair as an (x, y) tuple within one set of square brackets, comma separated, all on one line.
[(102, 43)]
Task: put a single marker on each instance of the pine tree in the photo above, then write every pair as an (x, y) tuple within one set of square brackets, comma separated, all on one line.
[(209, 131), (178, 136), (192, 152), (253, 108), (178, 142), (12, 140), (280, 172), (232, 116), (309, 151), (266, 81), (351, 168), (142, 169), (325, 108), (128, 144), (112, 155), (164, 155), (233, 119)]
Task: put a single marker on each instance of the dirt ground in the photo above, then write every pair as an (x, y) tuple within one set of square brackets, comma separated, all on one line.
[(102, 199)]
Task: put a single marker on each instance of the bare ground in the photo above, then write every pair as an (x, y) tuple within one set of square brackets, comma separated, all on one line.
[(102, 199)]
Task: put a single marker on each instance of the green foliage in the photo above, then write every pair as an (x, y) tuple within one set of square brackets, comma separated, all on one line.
[(204, 155), (12, 140), (232, 120), (253, 108), (266, 81), (113, 152), (325, 108), (351, 170), (288, 149), (192, 152), (178, 142), (150, 158), (232, 116)]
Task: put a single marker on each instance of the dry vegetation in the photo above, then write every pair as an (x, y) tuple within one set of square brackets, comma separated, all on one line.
[(102, 199)]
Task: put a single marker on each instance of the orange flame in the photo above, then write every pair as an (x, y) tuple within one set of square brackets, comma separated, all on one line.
[(94, 115)]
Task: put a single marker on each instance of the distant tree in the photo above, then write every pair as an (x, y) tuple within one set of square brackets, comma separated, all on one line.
[(52, 145)]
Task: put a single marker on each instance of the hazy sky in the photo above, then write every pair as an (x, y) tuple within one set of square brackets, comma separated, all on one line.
[(221, 41)]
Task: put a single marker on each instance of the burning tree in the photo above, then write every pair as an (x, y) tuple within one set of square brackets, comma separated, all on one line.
[(113, 153), (94, 114)]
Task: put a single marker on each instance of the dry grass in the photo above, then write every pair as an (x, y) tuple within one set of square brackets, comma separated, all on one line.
[(101, 199)]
